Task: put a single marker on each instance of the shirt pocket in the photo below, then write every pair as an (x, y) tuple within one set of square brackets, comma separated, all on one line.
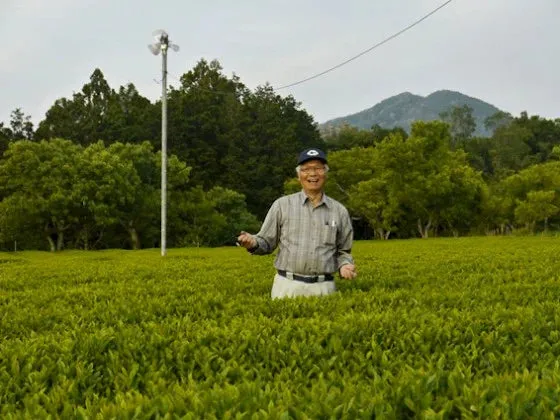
[(328, 235)]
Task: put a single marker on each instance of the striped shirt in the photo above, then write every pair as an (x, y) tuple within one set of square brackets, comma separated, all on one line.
[(310, 240)]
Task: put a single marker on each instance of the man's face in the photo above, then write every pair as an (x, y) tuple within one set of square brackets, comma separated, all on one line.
[(312, 175)]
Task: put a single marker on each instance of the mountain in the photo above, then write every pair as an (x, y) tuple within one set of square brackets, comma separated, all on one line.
[(403, 109)]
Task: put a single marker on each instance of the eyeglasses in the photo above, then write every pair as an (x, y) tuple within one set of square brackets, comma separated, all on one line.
[(317, 169)]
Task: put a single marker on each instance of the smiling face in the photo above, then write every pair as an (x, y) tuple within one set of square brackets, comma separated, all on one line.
[(312, 176)]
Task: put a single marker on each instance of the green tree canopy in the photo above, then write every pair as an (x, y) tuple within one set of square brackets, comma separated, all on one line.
[(98, 112), (416, 182), (348, 137), (241, 140), (461, 121), (38, 179)]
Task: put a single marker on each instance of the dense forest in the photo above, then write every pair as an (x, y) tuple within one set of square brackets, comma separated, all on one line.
[(88, 176)]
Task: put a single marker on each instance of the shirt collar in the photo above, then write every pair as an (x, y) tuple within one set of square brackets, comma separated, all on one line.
[(303, 199)]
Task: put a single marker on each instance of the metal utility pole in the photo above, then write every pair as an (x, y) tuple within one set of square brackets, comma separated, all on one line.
[(163, 45)]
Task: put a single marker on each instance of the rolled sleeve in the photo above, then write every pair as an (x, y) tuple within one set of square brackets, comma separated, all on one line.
[(269, 235), (344, 241)]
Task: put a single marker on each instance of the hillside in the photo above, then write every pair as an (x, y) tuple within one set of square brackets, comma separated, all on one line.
[(403, 109)]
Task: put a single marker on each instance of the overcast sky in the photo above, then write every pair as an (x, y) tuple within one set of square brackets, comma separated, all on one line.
[(506, 52)]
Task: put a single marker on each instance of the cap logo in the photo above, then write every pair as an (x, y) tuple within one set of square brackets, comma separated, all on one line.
[(312, 153)]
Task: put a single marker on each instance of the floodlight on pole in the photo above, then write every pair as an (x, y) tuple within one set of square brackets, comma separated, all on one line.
[(163, 45)]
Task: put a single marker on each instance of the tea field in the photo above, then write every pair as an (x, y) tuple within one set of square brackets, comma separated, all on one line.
[(431, 329)]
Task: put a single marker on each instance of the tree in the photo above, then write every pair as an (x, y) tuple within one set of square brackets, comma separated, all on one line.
[(532, 194), (75, 194), (481, 155), (241, 140), (465, 197), (5, 138), (97, 112), (139, 215), (538, 207), (133, 118), (233, 206), (543, 135), (275, 131), (461, 121), (431, 184), (497, 211), (497, 120), (373, 199), (231, 137), (204, 116), (510, 151), (16, 230), (84, 118), (21, 128), (106, 185), (21, 125), (347, 169), (405, 184), (38, 179), (516, 143), (210, 218), (416, 172), (348, 137)]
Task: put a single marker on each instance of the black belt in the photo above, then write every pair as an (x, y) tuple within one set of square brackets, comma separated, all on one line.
[(306, 279)]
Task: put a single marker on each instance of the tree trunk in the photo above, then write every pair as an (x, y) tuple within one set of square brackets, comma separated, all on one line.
[(382, 233), (86, 240), (52, 245), (60, 241), (424, 230), (134, 238), (98, 240)]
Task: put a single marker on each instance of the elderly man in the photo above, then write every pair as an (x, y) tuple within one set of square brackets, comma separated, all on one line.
[(313, 232)]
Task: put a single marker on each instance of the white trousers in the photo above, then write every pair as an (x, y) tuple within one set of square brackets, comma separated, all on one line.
[(283, 287)]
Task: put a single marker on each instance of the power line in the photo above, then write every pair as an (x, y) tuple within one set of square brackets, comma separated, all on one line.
[(395, 35), (369, 49)]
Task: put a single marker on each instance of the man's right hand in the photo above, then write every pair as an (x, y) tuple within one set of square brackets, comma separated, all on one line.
[(246, 240)]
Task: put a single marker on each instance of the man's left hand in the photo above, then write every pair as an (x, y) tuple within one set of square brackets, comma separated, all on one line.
[(348, 271)]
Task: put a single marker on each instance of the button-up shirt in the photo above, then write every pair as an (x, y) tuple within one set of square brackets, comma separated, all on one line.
[(310, 240)]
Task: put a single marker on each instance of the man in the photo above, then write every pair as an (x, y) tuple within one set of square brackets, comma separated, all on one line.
[(313, 232)]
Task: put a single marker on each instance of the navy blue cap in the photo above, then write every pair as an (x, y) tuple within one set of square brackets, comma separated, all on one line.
[(311, 154)]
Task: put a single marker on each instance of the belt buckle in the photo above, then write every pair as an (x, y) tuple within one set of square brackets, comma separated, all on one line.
[(321, 278), (289, 276)]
